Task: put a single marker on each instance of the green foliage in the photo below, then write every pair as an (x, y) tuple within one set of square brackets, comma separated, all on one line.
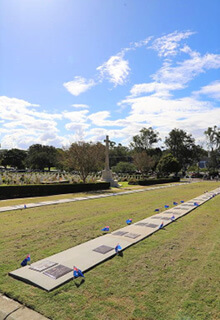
[(213, 138), (118, 154), (143, 162), (85, 158), (40, 156), (14, 158), (183, 148), (124, 167), (133, 181), (144, 140), (10, 192), (155, 181), (168, 164)]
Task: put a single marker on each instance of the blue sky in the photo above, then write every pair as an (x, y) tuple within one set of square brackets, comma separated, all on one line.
[(78, 70)]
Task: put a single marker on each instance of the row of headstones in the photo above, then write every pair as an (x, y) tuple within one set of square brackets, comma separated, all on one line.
[(10, 178)]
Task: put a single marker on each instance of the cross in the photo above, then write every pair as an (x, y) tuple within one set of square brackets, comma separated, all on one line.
[(107, 153)]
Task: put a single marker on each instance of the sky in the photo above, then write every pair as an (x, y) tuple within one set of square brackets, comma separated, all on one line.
[(80, 70)]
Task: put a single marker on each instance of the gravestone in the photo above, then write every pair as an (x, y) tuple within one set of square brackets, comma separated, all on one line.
[(107, 173)]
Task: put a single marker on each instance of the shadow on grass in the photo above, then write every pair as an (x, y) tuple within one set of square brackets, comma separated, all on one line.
[(78, 284)]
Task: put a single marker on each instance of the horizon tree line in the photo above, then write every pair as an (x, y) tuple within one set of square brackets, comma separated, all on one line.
[(141, 155)]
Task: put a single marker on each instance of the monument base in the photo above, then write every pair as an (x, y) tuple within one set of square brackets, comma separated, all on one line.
[(107, 177)]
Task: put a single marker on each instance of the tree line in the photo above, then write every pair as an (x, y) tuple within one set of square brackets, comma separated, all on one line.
[(180, 152)]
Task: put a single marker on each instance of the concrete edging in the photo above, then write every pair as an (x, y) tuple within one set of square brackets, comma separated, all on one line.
[(12, 310)]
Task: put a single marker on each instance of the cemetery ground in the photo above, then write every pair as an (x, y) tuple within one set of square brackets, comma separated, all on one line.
[(174, 274)]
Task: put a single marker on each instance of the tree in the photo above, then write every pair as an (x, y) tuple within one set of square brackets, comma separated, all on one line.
[(14, 158), (143, 162), (124, 167), (118, 154), (144, 140), (182, 146), (213, 142), (168, 164), (40, 157), (85, 158), (213, 138)]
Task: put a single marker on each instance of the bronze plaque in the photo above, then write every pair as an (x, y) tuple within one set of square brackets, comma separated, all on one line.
[(41, 266), (132, 235), (57, 272), (103, 249), (119, 233)]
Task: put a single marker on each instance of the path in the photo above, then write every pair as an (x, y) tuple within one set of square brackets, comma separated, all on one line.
[(46, 203)]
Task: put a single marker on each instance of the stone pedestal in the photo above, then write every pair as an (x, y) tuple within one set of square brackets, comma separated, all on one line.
[(107, 177)]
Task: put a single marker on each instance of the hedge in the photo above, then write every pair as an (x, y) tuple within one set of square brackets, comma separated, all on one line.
[(155, 181), (22, 191)]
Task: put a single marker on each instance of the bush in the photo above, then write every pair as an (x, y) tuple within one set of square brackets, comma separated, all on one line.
[(133, 181), (155, 181), (22, 191)]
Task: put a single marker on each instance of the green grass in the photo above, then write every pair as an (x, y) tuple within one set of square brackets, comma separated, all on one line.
[(173, 274)]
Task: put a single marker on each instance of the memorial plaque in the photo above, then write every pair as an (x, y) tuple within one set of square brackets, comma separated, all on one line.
[(41, 266), (151, 225), (119, 233), (141, 224), (171, 212), (161, 218), (187, 205), (103, 249), (132, 235), (57, 272)]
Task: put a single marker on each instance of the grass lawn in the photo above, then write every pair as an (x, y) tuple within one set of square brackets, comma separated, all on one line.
[(172, 275)]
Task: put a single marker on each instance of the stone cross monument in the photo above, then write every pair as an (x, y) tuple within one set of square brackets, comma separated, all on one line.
[(107, 153), (107, 174)]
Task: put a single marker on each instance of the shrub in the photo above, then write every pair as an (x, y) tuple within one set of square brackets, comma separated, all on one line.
[(10, 192)]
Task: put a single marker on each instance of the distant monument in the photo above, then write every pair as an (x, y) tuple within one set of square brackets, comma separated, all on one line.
[(107, 173)]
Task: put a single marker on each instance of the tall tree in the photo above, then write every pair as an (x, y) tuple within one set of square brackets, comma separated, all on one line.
[(143, 162), (213, 142), (213, 138), (145, 140), (14, 158), (168, 164), (85, 158), (124, 167), (40, 157), (118, 154), (182, 146)]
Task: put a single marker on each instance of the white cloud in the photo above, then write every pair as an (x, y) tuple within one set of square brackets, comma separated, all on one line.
[(169, 44), (80, 106), (212, 90), (187, 70), (116, 69), (76, 116), (23, 125), (79, 85), (186, 113), (141, 43), (160, 89)]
